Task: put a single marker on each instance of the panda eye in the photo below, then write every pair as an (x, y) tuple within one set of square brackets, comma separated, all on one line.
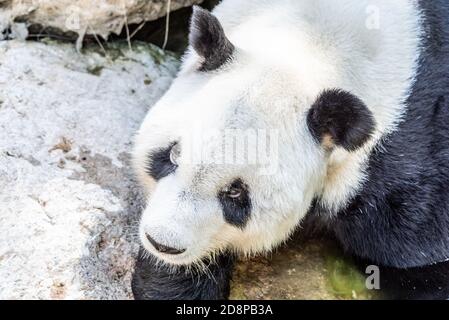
[(174, 154), (236, 203), (235, 192), (163, 162)]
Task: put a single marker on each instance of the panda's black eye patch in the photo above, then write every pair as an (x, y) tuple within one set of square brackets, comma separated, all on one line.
[(162, 162), (236, 203)]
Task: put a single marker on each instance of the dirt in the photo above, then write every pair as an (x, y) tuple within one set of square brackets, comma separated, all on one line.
[(303, 269)]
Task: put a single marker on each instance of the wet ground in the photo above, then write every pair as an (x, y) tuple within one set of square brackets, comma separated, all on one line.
[(303, 269)]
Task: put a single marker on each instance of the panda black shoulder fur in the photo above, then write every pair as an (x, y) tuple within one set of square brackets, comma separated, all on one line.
[(356, 94)]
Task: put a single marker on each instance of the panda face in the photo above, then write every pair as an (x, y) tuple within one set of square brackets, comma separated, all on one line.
[(235, 152), (221, 171)]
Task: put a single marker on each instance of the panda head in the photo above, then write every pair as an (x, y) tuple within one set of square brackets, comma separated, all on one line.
[(235, 152)]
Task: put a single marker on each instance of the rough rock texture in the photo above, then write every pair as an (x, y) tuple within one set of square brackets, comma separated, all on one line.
[(67, 196), (99, 17)]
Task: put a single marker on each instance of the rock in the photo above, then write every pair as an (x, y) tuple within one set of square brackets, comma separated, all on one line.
[(100, 17), (69, 201)]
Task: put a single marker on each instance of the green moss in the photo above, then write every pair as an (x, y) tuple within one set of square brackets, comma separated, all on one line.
[(112, 51), (119, 50), (50, 41), (157, 55), (95, 70), (238, 292), (345, 281)]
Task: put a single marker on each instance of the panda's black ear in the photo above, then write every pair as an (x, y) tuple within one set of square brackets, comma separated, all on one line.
[(208, 39), (339, 118)]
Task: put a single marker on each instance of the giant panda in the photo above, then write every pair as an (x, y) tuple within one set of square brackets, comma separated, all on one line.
[(354, 97)]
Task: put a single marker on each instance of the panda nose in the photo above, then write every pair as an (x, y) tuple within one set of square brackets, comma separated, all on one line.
[(162, 248)]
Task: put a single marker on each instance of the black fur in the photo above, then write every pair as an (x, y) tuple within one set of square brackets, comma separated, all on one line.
[(158, 283), (236, 211), (208, 39), (400, 218), (341, 116), (421, 283), (159, 164)]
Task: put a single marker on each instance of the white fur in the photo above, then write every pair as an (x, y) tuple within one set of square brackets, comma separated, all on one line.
[(287, 52)]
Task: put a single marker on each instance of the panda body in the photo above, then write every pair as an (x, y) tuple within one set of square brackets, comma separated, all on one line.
[(368, 99), (400, 216)]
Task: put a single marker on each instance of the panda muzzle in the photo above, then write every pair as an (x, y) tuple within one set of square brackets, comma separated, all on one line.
[(163, 248)]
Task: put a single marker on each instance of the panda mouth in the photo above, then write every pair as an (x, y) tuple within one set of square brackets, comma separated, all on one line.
[(165, 253), (161, 248)]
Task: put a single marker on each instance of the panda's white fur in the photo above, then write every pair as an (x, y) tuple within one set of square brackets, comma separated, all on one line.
[(286, 53)]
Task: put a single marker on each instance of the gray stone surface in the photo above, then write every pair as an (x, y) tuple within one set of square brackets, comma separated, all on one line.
[(68, 199)]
